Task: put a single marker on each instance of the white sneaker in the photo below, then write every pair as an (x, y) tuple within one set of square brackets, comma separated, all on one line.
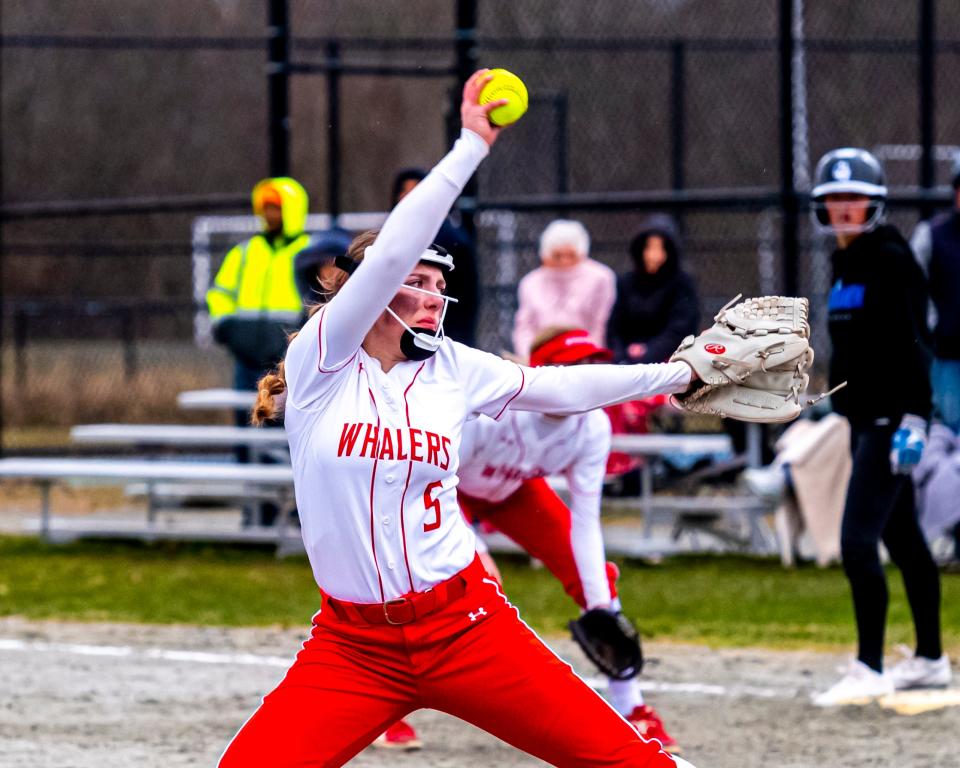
[(860, 685), (920, 672)]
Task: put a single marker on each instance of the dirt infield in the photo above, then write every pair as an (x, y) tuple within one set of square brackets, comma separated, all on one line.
[(103, 695)]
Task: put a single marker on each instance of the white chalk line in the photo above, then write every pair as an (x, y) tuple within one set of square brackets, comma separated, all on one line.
[(162, 654), (705, 689), (262, 660)]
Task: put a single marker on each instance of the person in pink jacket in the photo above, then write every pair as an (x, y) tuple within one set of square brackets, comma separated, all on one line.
[(569, 289)]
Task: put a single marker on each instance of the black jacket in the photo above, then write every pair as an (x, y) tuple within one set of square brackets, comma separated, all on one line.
[(463, 284), (945, 284), (877, 322), (656, 310)]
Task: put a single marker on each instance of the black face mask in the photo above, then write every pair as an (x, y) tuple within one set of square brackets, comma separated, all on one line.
[(409, 347)]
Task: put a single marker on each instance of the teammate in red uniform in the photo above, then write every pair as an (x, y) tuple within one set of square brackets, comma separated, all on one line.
[(375, 400), (503, 465)]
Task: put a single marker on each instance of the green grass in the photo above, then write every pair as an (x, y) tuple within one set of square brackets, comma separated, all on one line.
[(735, 601), (720, 601), (163, 583)]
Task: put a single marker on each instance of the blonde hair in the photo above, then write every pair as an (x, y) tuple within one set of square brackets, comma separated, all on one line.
[(561, 232), (272, 387)]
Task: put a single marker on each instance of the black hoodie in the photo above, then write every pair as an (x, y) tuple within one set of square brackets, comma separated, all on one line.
[(878, 330), (656, 310)]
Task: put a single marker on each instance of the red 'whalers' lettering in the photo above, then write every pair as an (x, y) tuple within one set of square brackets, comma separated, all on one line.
[(401, 456), (415, 445), (433, 448), (348, 438), (446, 453), (370, 441), (386, 444)]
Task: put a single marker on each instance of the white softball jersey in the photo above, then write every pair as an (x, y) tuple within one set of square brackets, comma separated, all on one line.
[(497, 457), (375, 455)]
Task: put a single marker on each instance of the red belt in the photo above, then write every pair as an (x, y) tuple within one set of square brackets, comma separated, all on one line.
[(410, 607)]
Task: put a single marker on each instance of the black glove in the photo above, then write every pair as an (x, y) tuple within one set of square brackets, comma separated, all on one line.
[(610, 641)]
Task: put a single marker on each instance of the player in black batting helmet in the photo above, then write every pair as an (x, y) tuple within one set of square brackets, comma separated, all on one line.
[(849, 174), (877, 311)]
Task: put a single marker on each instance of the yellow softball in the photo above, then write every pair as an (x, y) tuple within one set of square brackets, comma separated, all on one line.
[(505, 85)]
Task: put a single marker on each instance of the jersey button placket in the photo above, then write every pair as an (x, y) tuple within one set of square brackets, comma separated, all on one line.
[(388, 396)]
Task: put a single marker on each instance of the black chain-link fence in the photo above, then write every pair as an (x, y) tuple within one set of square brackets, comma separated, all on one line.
[(635, 106)]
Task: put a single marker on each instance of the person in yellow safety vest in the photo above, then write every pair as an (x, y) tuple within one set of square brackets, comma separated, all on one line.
[(254, 302)]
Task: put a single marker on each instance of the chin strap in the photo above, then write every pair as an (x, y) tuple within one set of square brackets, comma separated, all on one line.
[(420, 343)]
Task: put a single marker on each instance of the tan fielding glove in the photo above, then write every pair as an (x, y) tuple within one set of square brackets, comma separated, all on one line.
[(751, 362)]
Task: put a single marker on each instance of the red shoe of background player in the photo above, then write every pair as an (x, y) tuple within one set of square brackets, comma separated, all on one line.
[(646, 720), (400, 736)]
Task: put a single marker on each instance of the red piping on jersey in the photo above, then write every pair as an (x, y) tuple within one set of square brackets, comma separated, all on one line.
[(522, 382), (373, 477), (403, 530), (323, 315)]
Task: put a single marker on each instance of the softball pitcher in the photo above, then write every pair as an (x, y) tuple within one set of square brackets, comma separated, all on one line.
[(375, 400)]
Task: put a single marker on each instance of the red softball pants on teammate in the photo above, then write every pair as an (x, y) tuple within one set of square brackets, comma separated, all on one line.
[(472, 658), (536, 519)]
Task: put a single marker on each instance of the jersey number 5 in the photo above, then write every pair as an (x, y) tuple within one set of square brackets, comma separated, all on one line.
[(431, 503)]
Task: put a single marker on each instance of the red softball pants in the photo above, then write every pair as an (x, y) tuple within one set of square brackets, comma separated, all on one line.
[(473, 658), (536, 519)]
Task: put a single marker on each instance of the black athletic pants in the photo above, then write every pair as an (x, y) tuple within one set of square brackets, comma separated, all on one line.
[(880, 505)]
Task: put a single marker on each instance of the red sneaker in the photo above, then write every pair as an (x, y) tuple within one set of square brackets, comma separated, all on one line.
[(646, 720), (400, 736)]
